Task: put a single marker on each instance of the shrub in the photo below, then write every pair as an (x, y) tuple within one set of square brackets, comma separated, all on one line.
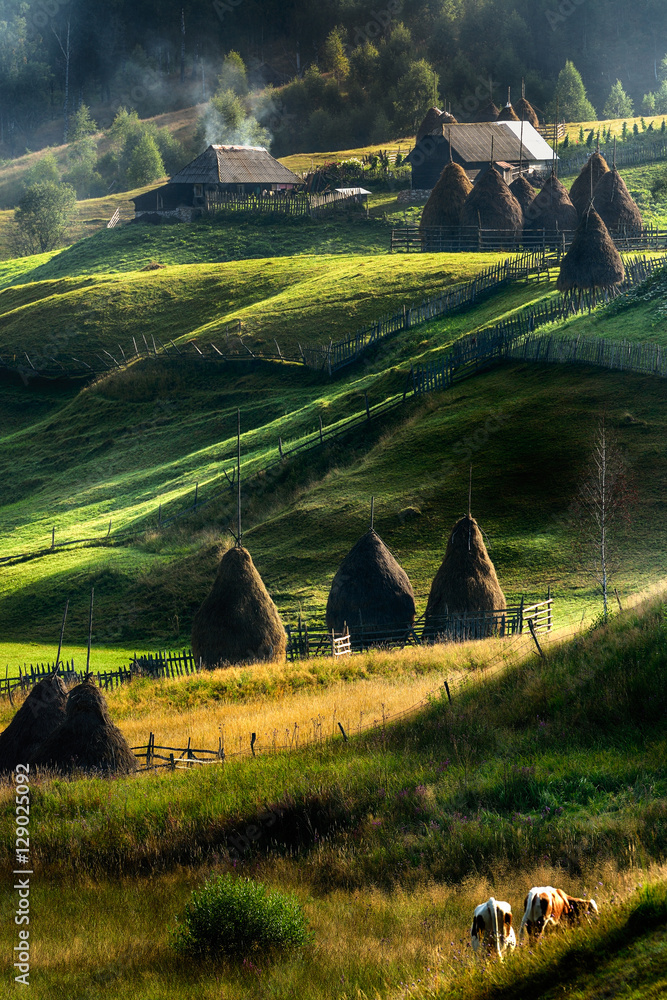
[(236, 917)]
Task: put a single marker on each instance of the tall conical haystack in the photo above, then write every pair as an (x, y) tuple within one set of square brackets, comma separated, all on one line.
[(592, 260), (552, 211), (508, 114), (489, 113), (238, 622), (86, 739), (39, 715), (432, 119), (580, 192), (526, 112), (466, 582), (491, 205), (524, 192), (370, 590), (614, 204), (447, 198)]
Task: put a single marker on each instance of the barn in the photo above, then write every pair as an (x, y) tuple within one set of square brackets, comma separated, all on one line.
[(470, 147), (218, 171)]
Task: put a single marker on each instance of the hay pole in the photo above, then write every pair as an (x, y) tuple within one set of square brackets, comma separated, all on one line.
[(62, 633), (90, 629)]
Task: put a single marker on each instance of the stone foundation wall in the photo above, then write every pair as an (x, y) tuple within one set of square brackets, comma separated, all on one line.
[(413, 197)]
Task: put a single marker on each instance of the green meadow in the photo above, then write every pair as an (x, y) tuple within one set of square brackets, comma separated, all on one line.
[(540, 770)]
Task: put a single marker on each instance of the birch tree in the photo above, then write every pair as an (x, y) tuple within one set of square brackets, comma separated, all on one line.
[(605, 500)]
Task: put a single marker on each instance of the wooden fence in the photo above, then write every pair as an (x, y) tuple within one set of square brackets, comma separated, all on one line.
[(306, 640), (628, 154), (328, 358), (293, 204), (30, 675), (470, 239), (165, 664), (514, 338), (467, 356)]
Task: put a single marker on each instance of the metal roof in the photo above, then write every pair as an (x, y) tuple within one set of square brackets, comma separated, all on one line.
[(472, 143), (532, 140), (235, 165)]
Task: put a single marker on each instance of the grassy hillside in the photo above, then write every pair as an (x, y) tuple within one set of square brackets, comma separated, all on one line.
[(536, 773), (305, 299)]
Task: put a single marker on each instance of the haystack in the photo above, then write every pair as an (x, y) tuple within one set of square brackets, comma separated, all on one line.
[(524, 192), (592, 260), (613, 203), (527, 113), (447, 118), (86, 739), (238, 622), (580, 192), (447, 198), (491, 205), (466, 582), (489, 113), (370, 589), (39, 715), (430, 123), (508, 114), (551, 211)]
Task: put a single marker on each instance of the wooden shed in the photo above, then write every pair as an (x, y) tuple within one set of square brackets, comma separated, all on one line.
[(219, 170)]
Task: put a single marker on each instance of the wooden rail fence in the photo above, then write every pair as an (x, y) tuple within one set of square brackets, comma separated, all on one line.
[(514, 338), (470, 239), (467, 356), (328, 358), (306, 640)]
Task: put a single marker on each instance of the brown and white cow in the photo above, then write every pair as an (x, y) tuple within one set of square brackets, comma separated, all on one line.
[(492, 928), (545, 906)]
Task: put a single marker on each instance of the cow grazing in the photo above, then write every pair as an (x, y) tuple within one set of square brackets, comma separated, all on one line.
[(545, 906), (492, 928)]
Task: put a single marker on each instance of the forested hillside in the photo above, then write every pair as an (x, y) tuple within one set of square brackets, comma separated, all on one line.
[(364, 70)]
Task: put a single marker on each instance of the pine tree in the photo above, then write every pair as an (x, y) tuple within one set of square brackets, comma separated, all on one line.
[(618, 104), (573, 105)]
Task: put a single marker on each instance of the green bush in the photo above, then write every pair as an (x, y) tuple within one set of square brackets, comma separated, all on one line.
[(235, 917)]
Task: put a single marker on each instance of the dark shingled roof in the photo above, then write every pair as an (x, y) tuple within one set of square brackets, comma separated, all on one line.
[(235, 165)]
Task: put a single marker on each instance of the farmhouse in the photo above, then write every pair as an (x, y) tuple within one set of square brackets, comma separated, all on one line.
[(470, 146), (218, 173)]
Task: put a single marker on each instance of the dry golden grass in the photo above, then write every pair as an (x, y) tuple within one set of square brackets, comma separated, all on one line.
[(416, 938), (354, 691)]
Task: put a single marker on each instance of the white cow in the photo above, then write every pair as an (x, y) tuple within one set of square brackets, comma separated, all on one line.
[(493, 919)]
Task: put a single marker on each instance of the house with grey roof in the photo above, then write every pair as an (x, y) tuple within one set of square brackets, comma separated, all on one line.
[(249, 172), (473, 146)]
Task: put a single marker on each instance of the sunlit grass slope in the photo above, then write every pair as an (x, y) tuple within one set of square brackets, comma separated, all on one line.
[(527, 432), (294, 299)]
